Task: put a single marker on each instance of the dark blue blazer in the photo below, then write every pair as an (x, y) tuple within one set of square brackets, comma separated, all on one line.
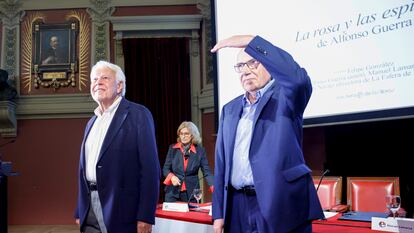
[(285, 191), (127, 172)]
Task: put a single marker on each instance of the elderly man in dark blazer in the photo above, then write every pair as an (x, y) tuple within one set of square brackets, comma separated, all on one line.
[(261, 181), (119, 170)]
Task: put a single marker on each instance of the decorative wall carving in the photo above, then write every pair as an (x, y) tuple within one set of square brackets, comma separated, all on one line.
[(100, 13), (205, 8), (84, 47), (11, 15), (10, 62), (27, 49), (100, 10)]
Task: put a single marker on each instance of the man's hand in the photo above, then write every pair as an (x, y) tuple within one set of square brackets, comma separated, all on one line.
[(143, 227), (239, 41), (218, 225), (175, 181), (77, 221)]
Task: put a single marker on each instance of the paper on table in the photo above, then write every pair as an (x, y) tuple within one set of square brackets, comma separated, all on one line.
[(175, 206), (206, 207), (329, 214)]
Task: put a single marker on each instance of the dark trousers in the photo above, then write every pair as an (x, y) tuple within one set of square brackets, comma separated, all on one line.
[(243, 216), (94, 219), (91, 223)]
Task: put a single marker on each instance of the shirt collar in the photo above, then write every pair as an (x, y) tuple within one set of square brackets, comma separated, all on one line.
[(259, 93), (111, 108)]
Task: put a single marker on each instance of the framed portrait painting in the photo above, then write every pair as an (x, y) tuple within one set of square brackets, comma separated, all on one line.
[(54, 57)]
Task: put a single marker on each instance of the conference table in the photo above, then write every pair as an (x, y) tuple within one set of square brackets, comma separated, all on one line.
[(183, 222), (201, 222)]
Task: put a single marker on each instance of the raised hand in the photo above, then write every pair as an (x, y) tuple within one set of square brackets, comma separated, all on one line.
[(239, 41)]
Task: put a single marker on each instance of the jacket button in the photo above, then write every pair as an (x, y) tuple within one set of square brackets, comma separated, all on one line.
[(99, 166)]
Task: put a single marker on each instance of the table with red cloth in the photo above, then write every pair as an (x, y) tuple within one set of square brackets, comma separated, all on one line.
[(183, 222), (201, 217), (332, 224)]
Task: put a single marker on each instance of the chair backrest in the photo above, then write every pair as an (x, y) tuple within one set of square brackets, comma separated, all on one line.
[(330, 191), (367, 194)]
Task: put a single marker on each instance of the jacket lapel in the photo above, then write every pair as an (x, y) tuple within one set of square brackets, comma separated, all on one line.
[(233, 122), (179, 157), (191, 161), (119, 117), (87, 131)]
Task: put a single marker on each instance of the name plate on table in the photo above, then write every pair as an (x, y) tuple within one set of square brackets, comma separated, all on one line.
[(175, 206), (393, 224)]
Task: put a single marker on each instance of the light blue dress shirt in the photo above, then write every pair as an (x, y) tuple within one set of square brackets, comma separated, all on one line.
[(241, 174)]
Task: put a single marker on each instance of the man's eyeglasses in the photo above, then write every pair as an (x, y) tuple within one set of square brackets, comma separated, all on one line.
[(251, 64)]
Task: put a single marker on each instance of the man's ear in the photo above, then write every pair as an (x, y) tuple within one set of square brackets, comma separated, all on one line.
[(120, 86)]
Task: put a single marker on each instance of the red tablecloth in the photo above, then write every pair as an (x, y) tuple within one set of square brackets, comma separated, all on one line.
[(192, 216), (334, 225), (319, 226)]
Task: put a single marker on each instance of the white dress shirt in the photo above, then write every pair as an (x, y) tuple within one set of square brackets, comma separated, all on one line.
[(96, 137)]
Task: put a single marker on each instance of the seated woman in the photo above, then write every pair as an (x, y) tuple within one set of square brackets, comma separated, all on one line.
[(183, 161)]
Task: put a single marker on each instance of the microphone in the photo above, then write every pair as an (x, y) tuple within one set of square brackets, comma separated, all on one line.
[(320, 180)]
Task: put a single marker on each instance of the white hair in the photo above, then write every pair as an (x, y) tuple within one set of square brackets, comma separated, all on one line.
[(119, 74)]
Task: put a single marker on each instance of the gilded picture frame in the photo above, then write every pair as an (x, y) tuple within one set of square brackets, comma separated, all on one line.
[(55, 58)]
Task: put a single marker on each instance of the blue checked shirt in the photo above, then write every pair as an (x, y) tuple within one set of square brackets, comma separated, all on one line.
[(241, 174)]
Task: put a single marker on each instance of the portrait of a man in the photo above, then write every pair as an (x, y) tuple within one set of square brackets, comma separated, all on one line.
[(55, 52)]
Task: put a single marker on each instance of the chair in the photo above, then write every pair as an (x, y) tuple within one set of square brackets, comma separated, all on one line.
[(329, 191), (367, 194)]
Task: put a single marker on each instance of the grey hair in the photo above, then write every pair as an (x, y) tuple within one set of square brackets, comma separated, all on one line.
[(119, 74), (196, 139)]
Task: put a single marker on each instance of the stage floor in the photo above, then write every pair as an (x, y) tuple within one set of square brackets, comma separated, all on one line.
[(43, 229)]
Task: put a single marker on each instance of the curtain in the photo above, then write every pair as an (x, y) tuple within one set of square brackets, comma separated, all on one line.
[(158, 76)]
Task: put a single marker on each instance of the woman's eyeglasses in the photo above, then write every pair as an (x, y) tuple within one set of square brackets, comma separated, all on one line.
[(185, 134)]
